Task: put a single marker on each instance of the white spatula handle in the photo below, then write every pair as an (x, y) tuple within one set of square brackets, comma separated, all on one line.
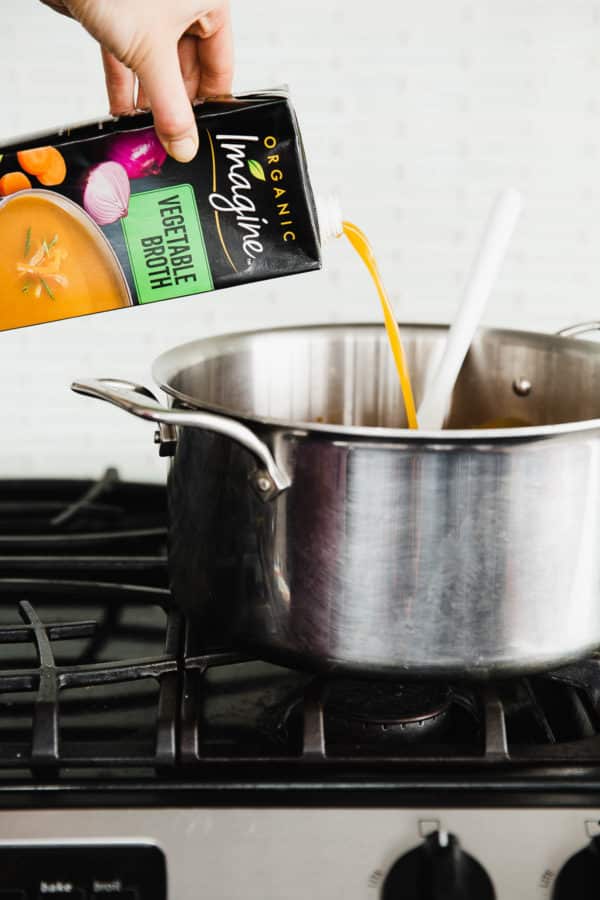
[(492, 250)]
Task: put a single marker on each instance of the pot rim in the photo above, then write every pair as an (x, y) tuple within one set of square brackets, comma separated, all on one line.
[(222, 343)]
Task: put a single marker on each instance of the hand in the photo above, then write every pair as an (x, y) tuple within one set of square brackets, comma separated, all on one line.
[(178, 49)]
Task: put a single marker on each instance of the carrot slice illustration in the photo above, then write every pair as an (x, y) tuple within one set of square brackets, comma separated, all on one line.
[(46, 163), (13, 182)]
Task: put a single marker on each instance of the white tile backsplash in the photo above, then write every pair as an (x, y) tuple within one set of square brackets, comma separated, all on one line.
[(416, 114)]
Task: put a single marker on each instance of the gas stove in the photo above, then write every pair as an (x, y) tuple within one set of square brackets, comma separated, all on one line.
[(137, 762)]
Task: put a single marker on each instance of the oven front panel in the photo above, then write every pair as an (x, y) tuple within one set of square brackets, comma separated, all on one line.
[(281, 854)]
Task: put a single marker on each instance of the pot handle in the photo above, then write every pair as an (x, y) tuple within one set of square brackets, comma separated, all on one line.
[(268, 480), (576, 330)]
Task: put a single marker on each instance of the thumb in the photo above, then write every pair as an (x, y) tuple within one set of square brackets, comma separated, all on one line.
[(162, 82)]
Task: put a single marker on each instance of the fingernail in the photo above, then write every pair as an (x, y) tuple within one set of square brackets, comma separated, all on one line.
[(183, 149)]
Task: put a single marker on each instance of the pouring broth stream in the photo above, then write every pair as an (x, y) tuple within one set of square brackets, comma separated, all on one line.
[(362, 246)]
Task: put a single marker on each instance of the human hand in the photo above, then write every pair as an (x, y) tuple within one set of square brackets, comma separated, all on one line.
[(178, 49)]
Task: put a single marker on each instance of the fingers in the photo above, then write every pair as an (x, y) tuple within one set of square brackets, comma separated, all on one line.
[(142, 101), (120, 85), (190, 64), (171, 75), (215, 52), (190, 71), (162, 85)]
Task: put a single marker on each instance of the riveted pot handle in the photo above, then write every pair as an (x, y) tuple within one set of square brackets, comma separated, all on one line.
[(576, 330), (268, 480)]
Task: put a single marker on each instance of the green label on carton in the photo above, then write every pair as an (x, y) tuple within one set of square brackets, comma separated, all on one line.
[(165, 244)]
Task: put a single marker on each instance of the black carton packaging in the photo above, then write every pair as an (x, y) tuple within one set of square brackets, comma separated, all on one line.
[(97, 217)]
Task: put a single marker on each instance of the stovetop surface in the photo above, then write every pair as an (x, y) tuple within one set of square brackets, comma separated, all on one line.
[(105, 687)]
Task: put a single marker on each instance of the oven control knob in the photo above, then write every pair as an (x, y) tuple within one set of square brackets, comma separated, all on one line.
[(438, 870), (580, 876)]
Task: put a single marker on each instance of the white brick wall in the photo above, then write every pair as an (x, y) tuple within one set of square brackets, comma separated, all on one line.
[(416, 116)]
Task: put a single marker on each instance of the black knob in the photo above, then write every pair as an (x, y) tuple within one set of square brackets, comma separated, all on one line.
[(580, 876), (438, 870)]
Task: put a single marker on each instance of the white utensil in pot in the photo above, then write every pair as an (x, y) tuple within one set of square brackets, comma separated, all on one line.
[(492, 250)]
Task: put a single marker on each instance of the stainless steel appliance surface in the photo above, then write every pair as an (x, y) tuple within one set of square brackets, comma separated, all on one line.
[(273, 853), (138, 763), (310, 526)]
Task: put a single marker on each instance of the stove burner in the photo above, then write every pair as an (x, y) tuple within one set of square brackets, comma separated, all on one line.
[(400, 712)]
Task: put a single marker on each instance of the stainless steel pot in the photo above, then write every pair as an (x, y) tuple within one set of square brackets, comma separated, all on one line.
[(308, 524)]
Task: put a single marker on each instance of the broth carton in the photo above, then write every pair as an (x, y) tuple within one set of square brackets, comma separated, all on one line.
[(97, 217)]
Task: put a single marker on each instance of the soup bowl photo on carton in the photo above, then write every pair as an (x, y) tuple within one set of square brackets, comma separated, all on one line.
[(98, 256)]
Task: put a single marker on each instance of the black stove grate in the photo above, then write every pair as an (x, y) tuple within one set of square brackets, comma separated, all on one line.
[(57, 516), (98, 672), (50, 713), (545, 720), (89, 647)]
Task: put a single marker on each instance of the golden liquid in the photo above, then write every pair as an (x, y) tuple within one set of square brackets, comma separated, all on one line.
[(363, 248), (73, 275)]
